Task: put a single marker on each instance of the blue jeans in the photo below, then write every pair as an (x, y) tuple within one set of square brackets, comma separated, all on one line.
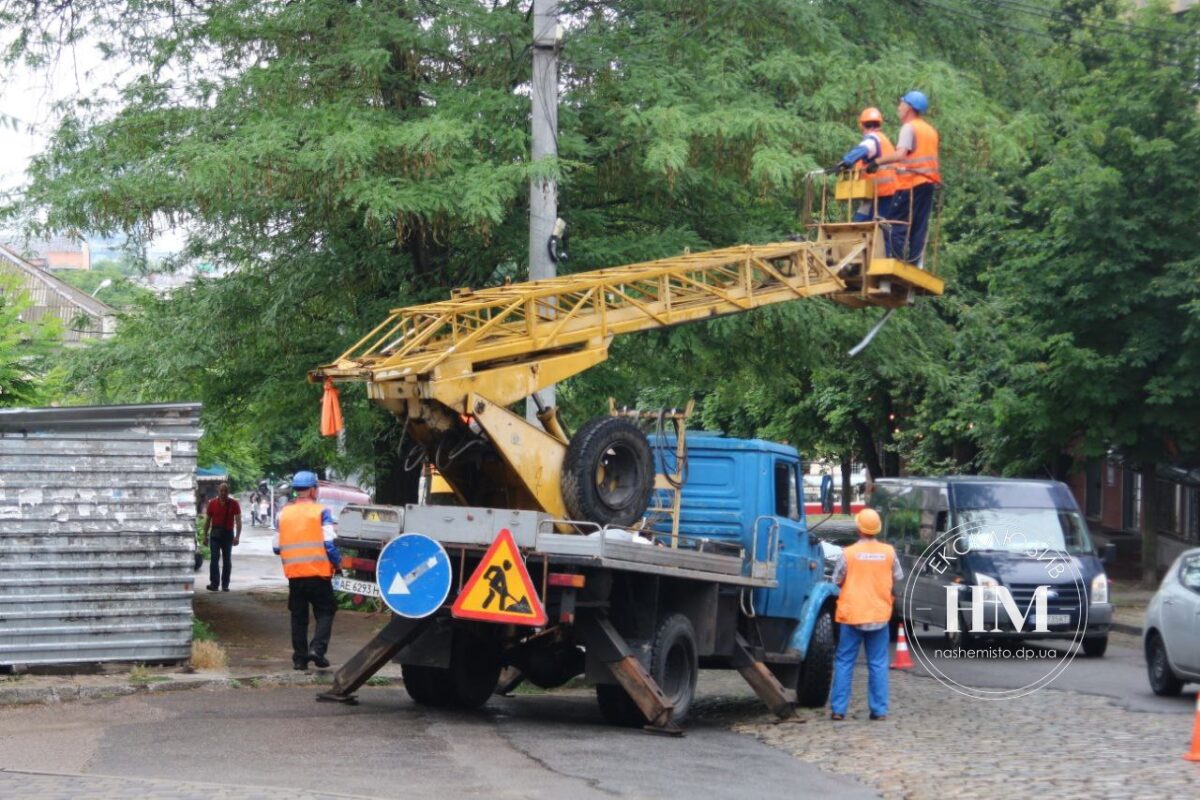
[(907, 242), (876, 643)]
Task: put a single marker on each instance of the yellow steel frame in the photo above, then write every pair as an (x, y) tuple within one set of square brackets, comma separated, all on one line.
[(506, 342)]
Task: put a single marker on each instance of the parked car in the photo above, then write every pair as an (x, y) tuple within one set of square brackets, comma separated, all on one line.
[(1048, 530), (1172, 629)]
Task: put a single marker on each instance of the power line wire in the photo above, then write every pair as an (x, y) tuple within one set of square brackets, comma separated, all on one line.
[(1108, 26), (988, 22)]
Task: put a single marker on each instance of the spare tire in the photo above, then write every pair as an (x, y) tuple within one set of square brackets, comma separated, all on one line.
[(608, 473)]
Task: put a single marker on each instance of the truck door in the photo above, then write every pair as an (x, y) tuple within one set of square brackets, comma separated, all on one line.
[(794, 567)]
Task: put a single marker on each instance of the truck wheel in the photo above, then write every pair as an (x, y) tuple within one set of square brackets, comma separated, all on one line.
[(816, 673), (1094, 646), (474, 669), (428, 686), (674, 666), (608, 473), (964, 639), (617, 707)]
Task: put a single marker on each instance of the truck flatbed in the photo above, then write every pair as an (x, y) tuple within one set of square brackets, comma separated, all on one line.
[(460, 528)]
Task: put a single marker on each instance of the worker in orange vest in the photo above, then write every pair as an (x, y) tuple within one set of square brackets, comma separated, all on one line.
[(867, 572), (918, 174), (304, 541), (874, 145)]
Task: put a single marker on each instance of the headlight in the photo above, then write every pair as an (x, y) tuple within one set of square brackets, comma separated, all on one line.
[(1100, 588), (990, 586)]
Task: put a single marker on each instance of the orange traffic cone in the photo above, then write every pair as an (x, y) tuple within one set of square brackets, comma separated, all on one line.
[(1194, 753), (902, 660)]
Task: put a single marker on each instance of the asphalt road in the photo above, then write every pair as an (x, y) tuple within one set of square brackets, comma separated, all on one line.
[(267, 740)]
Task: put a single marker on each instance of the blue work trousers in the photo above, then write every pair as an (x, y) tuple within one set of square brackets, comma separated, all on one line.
[(907, 242), (876, 643)]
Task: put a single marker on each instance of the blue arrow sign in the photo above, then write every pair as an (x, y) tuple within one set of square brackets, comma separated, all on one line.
[(413, 573)]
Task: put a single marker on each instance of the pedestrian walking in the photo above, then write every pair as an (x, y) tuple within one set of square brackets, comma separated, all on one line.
[(304, 541), (867, 572), (254, 501), (222, 533)]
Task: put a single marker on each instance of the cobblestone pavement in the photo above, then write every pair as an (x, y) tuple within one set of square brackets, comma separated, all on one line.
[(49, 786), (1052, 744)]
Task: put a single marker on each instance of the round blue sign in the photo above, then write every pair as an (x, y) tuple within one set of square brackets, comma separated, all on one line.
[(414, 575)]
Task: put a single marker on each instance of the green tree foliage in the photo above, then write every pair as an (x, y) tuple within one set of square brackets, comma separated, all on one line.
[(347, 158), (25, 347)]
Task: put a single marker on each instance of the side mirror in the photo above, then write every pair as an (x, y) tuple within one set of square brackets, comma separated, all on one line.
[(1109, 554)]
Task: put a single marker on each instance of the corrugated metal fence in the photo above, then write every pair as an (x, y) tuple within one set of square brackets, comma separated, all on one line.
[(97, 533)]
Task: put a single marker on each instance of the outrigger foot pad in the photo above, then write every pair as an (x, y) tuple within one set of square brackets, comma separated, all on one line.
[(670, 729), (345, 699)]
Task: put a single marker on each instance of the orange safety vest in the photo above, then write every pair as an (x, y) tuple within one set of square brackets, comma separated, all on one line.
[(302, 541), (867, 591), (921, 165), (885, 177)]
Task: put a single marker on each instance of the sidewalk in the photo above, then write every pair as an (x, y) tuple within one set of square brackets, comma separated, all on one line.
[(251, 623), (1129, 606)]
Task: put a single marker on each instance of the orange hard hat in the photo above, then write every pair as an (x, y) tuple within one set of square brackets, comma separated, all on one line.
[(868, 522), (871, 114)]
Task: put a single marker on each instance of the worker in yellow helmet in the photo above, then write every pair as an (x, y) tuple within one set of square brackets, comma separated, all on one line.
[(867, 572), (874, 145)]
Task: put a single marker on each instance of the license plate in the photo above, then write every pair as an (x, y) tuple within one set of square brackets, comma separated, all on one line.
[(351, 586), (1058, 619)]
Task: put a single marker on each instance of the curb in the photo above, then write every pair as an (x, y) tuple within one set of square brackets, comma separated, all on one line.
[(61, 693), (1132, 630)]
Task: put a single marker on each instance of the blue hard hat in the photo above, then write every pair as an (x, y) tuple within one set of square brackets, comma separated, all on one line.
[(304, 480), (918, 101)]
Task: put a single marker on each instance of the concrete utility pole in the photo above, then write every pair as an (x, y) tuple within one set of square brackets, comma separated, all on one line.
[(543, 193)]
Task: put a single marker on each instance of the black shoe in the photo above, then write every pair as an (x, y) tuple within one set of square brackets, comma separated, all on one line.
[(211, 588), (224, 588), (300, 666), (318, 661)]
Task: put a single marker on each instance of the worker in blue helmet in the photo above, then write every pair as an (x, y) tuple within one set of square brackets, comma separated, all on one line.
[(304, 541), (918, 175)]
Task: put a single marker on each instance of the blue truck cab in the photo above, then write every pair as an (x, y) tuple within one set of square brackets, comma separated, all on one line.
[(748, 493)]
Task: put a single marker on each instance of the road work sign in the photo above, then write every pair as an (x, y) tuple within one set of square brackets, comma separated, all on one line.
[(413, 574), (500, 589)]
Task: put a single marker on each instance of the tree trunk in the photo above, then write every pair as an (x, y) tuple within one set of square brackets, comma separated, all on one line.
[(846, 482), (1149, 525), (866, 446)]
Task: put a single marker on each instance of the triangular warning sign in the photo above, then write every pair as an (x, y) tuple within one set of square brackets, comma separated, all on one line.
[(500, 589)]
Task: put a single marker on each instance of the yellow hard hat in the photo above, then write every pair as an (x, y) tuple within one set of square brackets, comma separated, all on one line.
[(868, 522)]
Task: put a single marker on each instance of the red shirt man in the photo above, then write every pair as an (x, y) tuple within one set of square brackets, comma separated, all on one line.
[(223, 528)]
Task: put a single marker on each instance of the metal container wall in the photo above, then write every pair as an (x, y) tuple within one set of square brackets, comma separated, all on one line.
[(97, 533)]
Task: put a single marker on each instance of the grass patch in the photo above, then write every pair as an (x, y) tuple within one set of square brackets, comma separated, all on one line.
[(201, 632), (208, 655), (140, 674), (378, 680)]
